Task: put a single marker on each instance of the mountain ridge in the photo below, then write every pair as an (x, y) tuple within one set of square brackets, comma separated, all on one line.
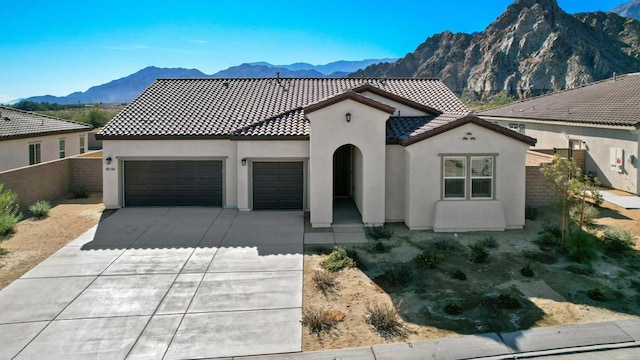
[(533, 47), (125, 89)]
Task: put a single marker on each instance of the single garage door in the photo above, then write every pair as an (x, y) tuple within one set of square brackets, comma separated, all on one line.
[(173, 183), (277, 185)]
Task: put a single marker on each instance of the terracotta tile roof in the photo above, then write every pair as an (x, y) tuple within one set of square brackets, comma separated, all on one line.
[(16, 124), (211, 108), (612, 102)]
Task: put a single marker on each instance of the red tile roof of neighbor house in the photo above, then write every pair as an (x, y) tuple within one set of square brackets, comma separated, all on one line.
[(17, 124), (611, 102), (274, 108)]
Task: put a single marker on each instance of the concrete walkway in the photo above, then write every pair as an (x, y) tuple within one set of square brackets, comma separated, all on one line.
[(170, 283)]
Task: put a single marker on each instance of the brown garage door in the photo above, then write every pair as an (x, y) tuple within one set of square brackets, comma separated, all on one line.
[(277, 185), (173, 183)]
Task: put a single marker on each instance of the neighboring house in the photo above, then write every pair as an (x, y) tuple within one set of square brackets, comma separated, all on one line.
[(602, 118), (28, 138), (404, 150)]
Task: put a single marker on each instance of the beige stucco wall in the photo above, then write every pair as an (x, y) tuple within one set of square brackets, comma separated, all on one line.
[(394, 183), (423, 182), (121, 150), (288, 150), (329, 131), (597, 141), (15, 153)]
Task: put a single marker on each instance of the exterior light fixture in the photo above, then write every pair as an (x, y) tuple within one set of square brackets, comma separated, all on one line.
[(348, 117), (244, 161), (108, 160)]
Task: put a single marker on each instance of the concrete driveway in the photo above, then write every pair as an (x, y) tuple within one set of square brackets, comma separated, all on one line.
[(170, 283)]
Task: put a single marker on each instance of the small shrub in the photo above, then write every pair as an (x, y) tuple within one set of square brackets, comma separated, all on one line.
[(444, 244), (356, 259), (454, 308), (596, 294), (338, 260), (527, 271), (320, 320), (547, 239), (325, 281), (3, 251), (508, 301), (543, 258), (379, 247), (580, 246), (40, 209), (589, 215), (490, 242), (429, 259), (618, 240), (459, 275), (9, 211), (579, 269), (79, 192), (634, 284), (479, 253), (552, 228), (385, 320), (379, 232), (530, 213)]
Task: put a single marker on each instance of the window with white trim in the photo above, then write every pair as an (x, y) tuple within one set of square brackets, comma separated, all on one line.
[(517, 127), (82, 147), (62, 148), (455, 177), (482, 177), (473, 181), (34, 154)]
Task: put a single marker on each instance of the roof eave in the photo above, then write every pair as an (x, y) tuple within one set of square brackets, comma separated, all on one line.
[(396, 98), (161, 137), (349, 95), (47, 133), (269, 137)]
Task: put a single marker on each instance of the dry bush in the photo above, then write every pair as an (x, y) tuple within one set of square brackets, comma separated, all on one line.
[(385, 320), (320, 321)]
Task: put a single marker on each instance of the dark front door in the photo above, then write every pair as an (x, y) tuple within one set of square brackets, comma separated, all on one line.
[(173, 183), (342, 171), (277, 185)]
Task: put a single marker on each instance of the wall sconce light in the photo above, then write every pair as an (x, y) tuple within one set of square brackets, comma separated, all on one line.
[(348, 117), (108, 160), (244, 161)]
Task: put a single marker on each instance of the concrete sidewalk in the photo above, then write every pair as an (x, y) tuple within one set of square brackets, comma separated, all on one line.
[(512, 345)]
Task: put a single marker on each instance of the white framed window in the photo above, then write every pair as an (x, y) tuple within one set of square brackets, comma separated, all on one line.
[(34, 154), (454, 177), (62, 147), (482, 177), (469, 177), (517, 127), (82, 145)]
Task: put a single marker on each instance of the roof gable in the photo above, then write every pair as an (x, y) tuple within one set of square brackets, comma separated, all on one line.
[(611, 102), (349, 95), (370, 88), (469, 119), (17, 124)]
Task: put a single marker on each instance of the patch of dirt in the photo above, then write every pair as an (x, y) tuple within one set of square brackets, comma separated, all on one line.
[(553, 296), (35, 240)]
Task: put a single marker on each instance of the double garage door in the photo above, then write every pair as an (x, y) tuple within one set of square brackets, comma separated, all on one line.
[(276, 185)]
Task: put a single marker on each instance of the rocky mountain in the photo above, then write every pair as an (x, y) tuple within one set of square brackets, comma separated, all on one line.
[(630, 9), (532, 48), (127, 88)]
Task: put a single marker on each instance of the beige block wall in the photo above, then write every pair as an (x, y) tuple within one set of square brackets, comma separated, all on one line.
[(52, 180), (537, 192)]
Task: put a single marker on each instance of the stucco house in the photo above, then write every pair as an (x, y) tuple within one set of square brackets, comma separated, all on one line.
[(602, 118), (403, 150), (27, 138)]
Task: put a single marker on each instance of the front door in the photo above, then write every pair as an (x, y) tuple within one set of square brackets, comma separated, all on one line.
[(342, 172)]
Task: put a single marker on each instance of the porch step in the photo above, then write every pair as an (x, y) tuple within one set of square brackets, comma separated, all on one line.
[(348, 228)]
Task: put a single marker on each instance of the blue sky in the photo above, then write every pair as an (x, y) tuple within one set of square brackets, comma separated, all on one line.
[(49, 47)]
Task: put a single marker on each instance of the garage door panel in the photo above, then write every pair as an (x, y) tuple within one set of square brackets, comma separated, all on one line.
[(277, 185), (167, 183)]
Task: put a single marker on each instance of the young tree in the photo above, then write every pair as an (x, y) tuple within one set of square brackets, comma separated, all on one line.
[(586, 189), (560, 174)]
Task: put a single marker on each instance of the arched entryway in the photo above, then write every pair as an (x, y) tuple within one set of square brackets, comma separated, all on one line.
[(347, 185)]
